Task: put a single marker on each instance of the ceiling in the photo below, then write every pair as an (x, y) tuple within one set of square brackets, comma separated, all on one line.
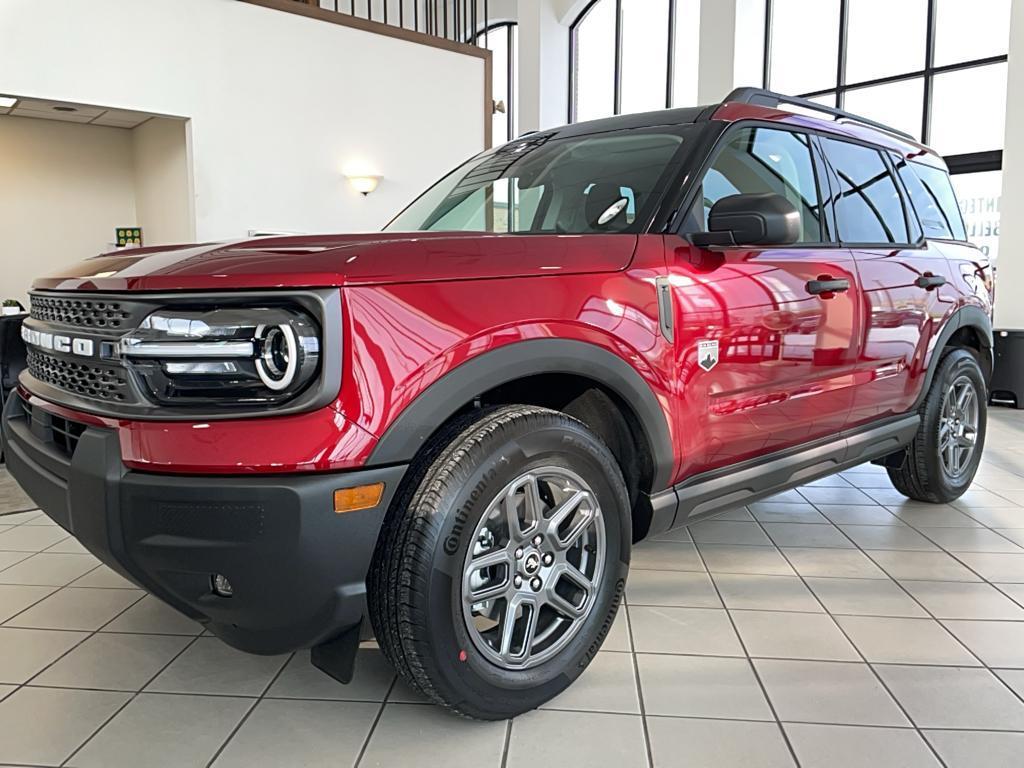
[(75, 113)]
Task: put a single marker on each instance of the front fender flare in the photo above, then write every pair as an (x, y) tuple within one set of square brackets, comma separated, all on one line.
[(450, 393)]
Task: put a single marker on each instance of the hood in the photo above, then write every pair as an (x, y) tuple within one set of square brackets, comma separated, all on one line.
[(343, 260)]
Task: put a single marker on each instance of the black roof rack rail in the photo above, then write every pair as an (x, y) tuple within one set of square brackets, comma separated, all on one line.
[(764, 98)]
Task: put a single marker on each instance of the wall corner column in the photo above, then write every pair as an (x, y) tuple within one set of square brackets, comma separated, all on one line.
[(543, 65), (731, 52), (1010, 268)]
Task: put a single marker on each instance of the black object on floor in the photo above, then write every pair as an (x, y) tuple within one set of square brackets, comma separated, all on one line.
[(1007, 387), (12, 355)]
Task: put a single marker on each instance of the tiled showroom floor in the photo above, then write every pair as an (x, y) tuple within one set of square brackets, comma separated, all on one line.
[(832, 626)]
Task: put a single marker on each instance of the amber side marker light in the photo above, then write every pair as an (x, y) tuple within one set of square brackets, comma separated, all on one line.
[(360, 497)]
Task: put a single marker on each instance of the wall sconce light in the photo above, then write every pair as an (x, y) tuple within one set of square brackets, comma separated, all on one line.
[(363, 183)]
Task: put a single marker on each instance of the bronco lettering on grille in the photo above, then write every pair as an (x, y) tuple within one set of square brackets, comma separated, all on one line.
[(57, 342)]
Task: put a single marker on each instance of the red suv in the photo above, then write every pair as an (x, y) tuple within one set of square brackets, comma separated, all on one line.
[(457, 428)]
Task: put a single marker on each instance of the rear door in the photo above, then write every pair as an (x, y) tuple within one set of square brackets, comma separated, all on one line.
[(765, 359), (902, 277)]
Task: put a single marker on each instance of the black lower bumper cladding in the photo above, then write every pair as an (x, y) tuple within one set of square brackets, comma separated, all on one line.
[(297, 569)]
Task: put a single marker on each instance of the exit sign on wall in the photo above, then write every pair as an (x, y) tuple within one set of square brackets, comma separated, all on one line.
[(128, 236)]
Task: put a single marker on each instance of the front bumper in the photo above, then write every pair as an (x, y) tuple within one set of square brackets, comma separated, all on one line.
[(297, 568)]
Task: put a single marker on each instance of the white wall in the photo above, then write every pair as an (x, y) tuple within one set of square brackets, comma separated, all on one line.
[(64, 188), (1010, 279), (162, 181), (279, 104)]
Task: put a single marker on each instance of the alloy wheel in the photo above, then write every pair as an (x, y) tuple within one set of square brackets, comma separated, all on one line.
[(531, 576), (958, 427)]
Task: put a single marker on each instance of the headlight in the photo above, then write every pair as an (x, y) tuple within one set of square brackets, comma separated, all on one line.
[(224, 356)]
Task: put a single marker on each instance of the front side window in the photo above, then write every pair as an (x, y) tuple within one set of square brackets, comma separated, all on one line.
[(756, 160), (868, 205), (585, 184)]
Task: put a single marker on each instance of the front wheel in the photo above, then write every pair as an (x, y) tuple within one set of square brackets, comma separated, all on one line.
[(500, 570), (943, 458)]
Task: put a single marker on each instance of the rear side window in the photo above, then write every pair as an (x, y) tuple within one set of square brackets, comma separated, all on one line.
[(763, 160), (868, 205), (931, 192)]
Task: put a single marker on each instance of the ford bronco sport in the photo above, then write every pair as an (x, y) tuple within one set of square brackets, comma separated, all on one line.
[(458, 427)]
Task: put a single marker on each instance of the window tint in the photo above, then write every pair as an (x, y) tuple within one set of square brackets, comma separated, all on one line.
[(868, 205), (764, 160), (801, 60), (974, 30), (882, 25), (951, 134), (635, 55), (938, 208), (643, 69)]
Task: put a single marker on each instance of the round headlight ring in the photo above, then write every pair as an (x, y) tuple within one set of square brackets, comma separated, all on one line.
[(278, 346)]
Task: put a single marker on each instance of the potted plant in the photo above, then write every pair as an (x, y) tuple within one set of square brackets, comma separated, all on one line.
[(10, 307)]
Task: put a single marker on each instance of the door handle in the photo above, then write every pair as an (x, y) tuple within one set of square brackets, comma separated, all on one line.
[(825, 284), (928, 281)]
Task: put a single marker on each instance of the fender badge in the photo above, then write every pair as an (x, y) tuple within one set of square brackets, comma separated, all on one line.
[(707, 353)]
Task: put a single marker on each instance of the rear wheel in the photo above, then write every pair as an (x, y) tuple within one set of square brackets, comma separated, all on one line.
[(499, 572), (943, 458)]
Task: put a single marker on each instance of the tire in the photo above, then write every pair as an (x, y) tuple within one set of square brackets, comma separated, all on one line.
[(450, 514), (926, 473)]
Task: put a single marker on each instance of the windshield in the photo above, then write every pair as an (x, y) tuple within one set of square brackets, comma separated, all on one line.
[(606, 182)]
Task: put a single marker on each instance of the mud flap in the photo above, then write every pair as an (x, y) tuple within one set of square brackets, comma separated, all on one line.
[(337, 658), (893, 460)]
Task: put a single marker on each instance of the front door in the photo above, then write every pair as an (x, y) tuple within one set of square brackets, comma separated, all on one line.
[(767, 338)]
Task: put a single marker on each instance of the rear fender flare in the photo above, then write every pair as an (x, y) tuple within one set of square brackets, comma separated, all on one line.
[(965, 317)]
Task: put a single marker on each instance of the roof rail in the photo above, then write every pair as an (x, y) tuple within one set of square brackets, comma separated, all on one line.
[(764, 98)]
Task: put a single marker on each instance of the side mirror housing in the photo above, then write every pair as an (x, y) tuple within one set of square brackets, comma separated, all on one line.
[(763, 218)]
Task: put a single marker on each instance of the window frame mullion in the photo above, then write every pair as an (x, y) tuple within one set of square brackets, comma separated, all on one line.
[(617, 69), (512, 60), (929, 70), (670, 74), (844, 39)]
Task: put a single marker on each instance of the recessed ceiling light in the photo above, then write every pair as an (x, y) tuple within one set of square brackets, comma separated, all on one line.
[(65, 109), (7, 101)]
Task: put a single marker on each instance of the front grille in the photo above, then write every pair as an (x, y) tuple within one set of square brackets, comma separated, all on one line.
[(97, 320), (81, 312), (100, 382), (62, 433)]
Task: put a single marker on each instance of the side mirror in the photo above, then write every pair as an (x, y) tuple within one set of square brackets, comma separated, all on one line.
[(764, 218)]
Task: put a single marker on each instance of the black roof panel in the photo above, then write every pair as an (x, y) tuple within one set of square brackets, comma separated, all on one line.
[(681, 116)]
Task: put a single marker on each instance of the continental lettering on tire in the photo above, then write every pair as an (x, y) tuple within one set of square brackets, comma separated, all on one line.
[(454, 539), (606, 626)]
